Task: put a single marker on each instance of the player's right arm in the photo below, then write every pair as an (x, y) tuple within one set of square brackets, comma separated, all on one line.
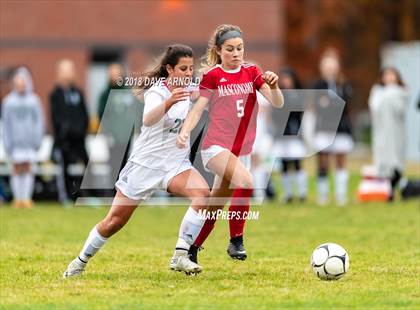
[(191, 121), (155, 108)]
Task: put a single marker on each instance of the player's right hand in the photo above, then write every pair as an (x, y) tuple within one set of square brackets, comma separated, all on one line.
[(178, 94), (182, 140)]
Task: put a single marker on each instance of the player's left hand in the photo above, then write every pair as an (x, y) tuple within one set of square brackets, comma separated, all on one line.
[(182, 140), (271, 79)]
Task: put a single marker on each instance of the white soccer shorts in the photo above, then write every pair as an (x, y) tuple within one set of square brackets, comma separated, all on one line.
[(138, 182), (214, 150)]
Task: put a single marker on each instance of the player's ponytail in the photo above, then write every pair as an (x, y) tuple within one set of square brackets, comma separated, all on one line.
[(215, 42), (171, 57)]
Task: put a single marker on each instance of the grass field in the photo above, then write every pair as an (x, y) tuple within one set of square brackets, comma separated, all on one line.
[(131, 270)]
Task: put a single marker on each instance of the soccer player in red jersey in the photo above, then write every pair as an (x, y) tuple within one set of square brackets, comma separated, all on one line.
[(228, 90)]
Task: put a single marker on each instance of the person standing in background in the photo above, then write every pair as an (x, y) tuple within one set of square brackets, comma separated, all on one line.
[(118, 111), (23, 129), (2, 191), (288, 146), (388, 102), (70, 123), (333, 79), (261, 155)]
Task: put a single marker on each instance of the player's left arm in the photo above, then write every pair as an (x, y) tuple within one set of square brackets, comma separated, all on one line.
[(270, 89)]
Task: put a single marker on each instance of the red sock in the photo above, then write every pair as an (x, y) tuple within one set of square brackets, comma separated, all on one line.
[(239, 204), (204, 232)]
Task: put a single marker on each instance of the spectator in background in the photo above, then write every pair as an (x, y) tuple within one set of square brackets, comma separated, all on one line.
[(22, 135), (260, 156), (332, 78), (2, 194), (2, 191), (118, 111), (70, 123), (288, 145), (388, 102)]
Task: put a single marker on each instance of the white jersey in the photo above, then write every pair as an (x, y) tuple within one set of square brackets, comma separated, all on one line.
[(156, 146)]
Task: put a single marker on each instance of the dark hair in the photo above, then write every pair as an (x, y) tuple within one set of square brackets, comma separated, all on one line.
[(293, 75), (171, 57), (395, 71)]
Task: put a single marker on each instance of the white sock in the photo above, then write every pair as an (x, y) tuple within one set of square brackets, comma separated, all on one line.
[(341, 180), (287, 185), (92, 245), (323, 189), (181, 248), (28, 186), (188, 231), (16, 185), (260, 177), (301, 180)]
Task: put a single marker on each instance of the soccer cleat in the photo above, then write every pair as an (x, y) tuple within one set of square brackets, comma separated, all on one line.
[(183, 263), (302, 199), (288, 200), (74, 269), (27, 204), (322, 202), (193, 251), (341, 202), (17, 204), (236, 248)]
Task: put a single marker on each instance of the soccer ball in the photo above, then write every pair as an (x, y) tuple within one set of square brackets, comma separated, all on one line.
[(330, 261)]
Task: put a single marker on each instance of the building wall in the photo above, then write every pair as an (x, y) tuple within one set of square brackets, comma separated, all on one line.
[(276, 33), (38, 34)]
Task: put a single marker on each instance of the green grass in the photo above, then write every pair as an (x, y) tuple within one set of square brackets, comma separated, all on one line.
[(131, 270)]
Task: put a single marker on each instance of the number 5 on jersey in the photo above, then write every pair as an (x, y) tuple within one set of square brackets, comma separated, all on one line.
[(240, 107)]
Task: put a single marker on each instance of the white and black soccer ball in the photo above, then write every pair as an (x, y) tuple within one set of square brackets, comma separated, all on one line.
[(330, 261)]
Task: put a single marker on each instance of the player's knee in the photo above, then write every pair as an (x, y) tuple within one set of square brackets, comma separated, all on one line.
[(205, 193), (246, 181), (200, 197)]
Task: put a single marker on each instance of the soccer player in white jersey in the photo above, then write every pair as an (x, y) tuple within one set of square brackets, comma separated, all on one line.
[(156, 162)]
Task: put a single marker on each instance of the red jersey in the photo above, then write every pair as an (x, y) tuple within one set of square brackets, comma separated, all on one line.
[(233, 107)]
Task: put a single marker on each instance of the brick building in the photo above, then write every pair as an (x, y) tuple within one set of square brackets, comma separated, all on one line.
[(39, 33)]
